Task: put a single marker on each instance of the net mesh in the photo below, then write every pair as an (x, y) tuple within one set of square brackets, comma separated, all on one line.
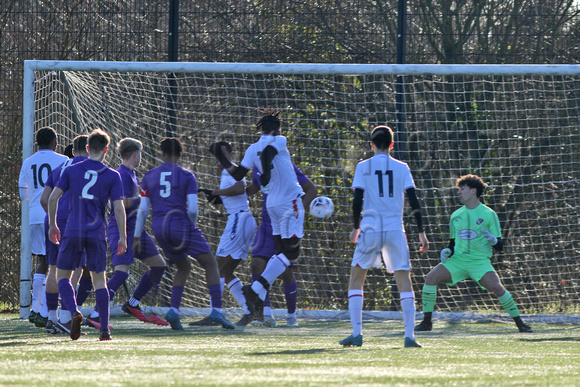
[(519, 133)]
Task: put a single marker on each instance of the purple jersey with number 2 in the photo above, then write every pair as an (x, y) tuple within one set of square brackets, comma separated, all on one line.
[(90, 184)]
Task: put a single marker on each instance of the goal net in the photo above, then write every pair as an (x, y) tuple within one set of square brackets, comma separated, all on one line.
[(515, 126)]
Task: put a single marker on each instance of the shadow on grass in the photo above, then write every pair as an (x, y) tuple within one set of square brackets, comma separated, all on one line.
[(541, 339), (293, 352)]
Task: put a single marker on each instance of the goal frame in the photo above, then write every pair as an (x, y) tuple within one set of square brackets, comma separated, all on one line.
[(30, 66)]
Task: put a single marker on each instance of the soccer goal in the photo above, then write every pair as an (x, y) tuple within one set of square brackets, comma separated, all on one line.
[(517, 127)]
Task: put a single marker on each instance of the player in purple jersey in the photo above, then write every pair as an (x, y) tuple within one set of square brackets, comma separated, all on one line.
[(91, 185), (171, 191), (271, 156), (130, 151), (79, 154), (265, 245)]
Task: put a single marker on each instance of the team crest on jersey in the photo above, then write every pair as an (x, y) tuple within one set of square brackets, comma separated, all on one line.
[(467, 234), (479, 221)]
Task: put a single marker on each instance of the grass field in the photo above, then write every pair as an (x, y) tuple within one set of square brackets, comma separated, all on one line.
[(142, 354)]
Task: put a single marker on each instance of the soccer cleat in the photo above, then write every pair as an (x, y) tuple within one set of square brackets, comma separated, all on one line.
[(52, 328), (40, 321), (95, 322), (251, 298), (105, 335), (134, 311), (64, 328), (411, 343), (76, 322), (219, 317), (154, 319), (245, 320), (32, 316), (291, 322), (269, 322), (204, 322), (172, 317), (424, 326), (350, 340), (525, 328)]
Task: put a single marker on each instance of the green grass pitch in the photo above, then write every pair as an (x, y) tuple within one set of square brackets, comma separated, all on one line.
[(146, 355)]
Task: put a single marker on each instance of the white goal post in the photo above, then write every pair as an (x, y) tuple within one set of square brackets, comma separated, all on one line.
[(516, 126)]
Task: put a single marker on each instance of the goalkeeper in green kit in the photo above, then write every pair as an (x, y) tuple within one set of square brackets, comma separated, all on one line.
[(474, 230)]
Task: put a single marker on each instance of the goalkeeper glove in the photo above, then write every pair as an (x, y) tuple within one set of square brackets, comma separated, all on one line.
[(489, 237), (445, 253)]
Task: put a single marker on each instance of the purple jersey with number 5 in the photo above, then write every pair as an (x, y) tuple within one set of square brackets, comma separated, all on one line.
[(90, 184)]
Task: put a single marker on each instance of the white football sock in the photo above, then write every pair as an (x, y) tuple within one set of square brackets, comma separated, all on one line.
[(268, 311), (37, 289), (355, 307), (235, 287), (64, 316), (43, 307), (408, 305)]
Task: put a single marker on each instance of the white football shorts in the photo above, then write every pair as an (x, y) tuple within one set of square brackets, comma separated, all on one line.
[(37, 239), (288, 219), (238, 236), (391, 246)]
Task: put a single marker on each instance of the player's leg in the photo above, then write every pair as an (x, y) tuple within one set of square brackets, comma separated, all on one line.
[(227, 267), (97, 264), (69, 256), (208, 262), (52, 299), (150, 279), (38, 249), (291, 296), (355, 306), (491, 281), (287, 223), (183, 267), (403, 280), (439, 274)]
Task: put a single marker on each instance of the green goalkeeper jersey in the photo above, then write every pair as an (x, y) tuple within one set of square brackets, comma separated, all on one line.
[(465, 227)]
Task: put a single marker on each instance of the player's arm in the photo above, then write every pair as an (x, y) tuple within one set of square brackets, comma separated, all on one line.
[(310, 193), (44, 197), (357, 205), (121, 218), (236, 189), (142, 214), (416, 212), (496, 242), (192, 208), (252, 189), (53, 231), (237, 171), (266, 158)]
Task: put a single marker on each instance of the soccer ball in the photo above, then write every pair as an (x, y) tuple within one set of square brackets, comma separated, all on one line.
[(321, 207)]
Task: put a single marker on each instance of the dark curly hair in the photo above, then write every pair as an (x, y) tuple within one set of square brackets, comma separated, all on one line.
[(171, 146), (270, 120)]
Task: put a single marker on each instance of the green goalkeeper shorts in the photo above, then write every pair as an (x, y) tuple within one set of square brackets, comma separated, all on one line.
[(461, 269)]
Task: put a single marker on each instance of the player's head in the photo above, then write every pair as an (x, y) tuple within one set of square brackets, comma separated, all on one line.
[(68, 151), (127, 147), (80, 145), (382, 138), (472, 182), (98, 142), (270, 122), (171, 147), (225, 148), (46, 138)]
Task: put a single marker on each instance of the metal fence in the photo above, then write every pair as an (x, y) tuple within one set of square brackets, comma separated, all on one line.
[(325, 31)]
